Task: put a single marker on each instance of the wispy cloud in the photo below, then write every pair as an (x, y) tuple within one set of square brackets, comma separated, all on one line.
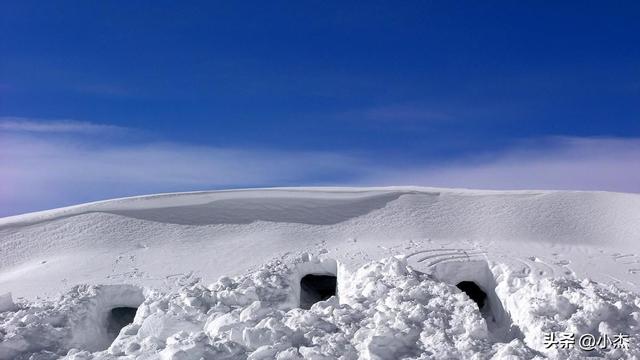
[(42, 172), (21, 124), (569, 163), (39, 172)]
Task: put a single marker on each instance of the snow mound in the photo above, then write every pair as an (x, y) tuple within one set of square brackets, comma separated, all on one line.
[(383, 310), (579, 307)]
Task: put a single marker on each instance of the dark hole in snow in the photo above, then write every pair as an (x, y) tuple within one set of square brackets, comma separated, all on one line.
[(474, 292), (118, 318), (314, 288)]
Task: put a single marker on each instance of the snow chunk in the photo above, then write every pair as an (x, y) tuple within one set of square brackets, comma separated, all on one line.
[(568, 305), (6, 302)]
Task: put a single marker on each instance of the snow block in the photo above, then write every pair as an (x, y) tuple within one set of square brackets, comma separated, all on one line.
[(6, 302)]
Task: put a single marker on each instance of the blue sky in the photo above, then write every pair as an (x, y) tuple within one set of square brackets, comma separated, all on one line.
[(104, 99)]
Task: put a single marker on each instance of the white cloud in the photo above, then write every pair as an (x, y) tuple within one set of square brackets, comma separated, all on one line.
[(20, 124), (610, 164), (39, 172)]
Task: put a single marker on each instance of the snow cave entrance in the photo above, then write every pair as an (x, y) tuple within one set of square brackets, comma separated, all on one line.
[(475, 279), (315, 288), (315, 280), (105, 314), (474, 292), (118, 318)]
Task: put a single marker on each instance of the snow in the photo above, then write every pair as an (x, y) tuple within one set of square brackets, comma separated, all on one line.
[(6, 302), (216, 275), (387, 311)]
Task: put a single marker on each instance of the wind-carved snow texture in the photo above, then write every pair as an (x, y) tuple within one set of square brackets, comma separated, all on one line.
[(246, 211), (385, 310)]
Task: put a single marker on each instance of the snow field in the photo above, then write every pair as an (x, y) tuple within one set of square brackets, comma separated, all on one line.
[(383, 310), (135, 240)]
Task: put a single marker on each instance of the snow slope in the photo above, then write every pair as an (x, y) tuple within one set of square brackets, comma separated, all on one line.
[(397, 254)]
